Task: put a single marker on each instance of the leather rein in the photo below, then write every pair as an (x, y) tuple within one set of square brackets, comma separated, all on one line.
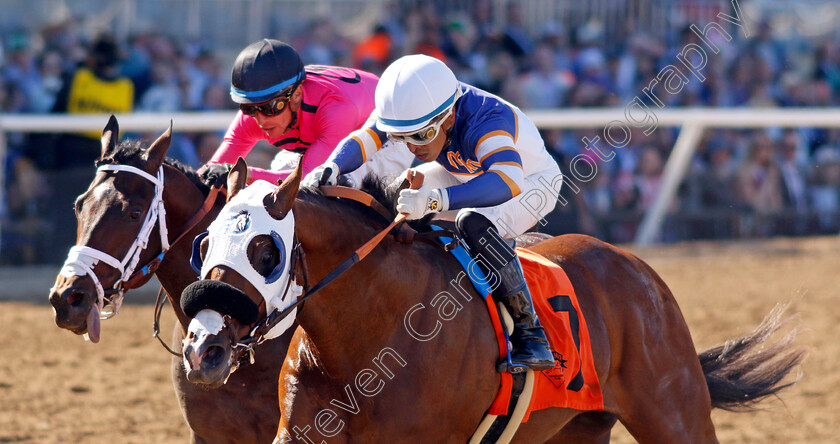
[(154, 264)]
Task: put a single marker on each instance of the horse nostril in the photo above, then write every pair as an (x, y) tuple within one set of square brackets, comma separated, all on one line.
[(76, 299), (213, 356)]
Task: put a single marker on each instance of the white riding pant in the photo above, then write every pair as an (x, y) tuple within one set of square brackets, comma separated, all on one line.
[(515, 216), (387, 163)]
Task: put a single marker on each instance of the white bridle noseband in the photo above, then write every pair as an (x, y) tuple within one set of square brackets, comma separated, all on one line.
[(81, 259)]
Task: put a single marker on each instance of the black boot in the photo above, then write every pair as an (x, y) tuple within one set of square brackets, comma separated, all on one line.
[(529, 346)]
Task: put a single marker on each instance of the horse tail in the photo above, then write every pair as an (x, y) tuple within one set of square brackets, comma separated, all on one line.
[(745, 370)]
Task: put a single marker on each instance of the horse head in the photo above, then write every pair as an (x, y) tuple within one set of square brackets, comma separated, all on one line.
[(247, 269), (116, 217)]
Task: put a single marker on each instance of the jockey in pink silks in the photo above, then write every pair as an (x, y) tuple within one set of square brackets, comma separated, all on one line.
[(303, 109)]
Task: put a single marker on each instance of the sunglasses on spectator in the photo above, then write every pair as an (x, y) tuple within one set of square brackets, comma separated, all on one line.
[(268, 109), (423, 136)]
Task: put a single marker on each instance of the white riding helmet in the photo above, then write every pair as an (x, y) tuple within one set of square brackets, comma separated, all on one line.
[(412, 91)]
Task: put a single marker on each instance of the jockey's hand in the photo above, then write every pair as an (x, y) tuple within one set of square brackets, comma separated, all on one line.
[(326, 174), (215, 174), (418, 203)]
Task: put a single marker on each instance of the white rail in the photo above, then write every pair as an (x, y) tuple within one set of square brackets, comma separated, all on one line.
[(692, 120)]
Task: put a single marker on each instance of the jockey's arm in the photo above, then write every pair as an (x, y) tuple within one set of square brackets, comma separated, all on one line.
[(494, 187), (238, 141), (501, 179), (334, 120), (359, 146)]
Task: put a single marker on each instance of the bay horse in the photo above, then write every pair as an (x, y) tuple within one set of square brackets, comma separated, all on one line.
[(354, 373), (109, 217)]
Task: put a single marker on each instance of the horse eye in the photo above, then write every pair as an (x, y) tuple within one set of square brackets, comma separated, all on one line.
[(136, 213), (264, 255), (268, 257)]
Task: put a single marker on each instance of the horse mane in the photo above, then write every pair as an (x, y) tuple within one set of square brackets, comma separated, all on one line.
[(382, 190), (129, 150)]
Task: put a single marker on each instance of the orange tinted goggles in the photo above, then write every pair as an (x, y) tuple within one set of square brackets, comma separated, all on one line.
[(268, 109)]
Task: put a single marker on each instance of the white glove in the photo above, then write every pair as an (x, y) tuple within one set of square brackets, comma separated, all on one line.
[(313, 179), (418, 203)]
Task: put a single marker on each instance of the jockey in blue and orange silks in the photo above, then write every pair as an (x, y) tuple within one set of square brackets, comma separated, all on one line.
[(305, 109), (482, 155)]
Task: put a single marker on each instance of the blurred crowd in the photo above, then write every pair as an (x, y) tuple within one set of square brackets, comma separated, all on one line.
[(741, 183)]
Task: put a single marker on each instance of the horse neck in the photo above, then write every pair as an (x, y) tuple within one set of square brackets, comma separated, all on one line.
[(182, 199), (358, 314)]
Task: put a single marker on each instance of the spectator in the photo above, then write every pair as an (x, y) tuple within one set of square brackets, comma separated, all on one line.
[(21, 73), (94, 87), (49, 82), (501, 71), (515, 39), (626, 205), (825, 189), (459, 40), (24, 228), (544, 86), (11, 99), (758, 184), (205, 146), (794, 185), (215, 97), (323, 45), (372, 54), (164, 93), (649, 175), (138, 63), (197, 75)]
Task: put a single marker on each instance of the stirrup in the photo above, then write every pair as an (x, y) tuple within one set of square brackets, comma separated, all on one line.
[(507, 366)]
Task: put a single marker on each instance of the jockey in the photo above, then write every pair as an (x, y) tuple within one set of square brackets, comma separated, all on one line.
[(481, 153), (304, 109)]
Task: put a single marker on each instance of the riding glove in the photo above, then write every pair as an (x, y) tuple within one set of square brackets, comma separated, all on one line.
[(326, 174), (418, 203), (215, 174)]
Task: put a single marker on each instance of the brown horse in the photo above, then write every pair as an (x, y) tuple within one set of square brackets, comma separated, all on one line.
[(357, 372), (109, 216)]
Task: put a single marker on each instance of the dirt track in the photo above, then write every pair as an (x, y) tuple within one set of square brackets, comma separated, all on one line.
[(56, 388)]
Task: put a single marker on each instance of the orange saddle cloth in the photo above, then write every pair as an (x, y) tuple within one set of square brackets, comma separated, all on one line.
[(573, 382)]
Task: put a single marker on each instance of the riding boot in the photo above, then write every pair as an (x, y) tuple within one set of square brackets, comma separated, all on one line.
[(529, 345)]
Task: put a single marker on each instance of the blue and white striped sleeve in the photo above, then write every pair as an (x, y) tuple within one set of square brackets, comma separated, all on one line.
[(502, 175), (357, 147)]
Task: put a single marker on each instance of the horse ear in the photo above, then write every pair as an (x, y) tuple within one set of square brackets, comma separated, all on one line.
[(110, 137), (157, 151), (280, 201), (237, 178)]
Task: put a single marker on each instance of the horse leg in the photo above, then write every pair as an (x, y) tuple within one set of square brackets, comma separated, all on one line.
[(659, 389), (564, 425), (195, 439), (586, 428)]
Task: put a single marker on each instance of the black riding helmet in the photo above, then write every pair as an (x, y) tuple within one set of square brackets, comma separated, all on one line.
[(263, 69)]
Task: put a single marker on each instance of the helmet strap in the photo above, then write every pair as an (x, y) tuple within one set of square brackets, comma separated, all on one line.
[(295, 113), (449, 132), (448, 138)]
